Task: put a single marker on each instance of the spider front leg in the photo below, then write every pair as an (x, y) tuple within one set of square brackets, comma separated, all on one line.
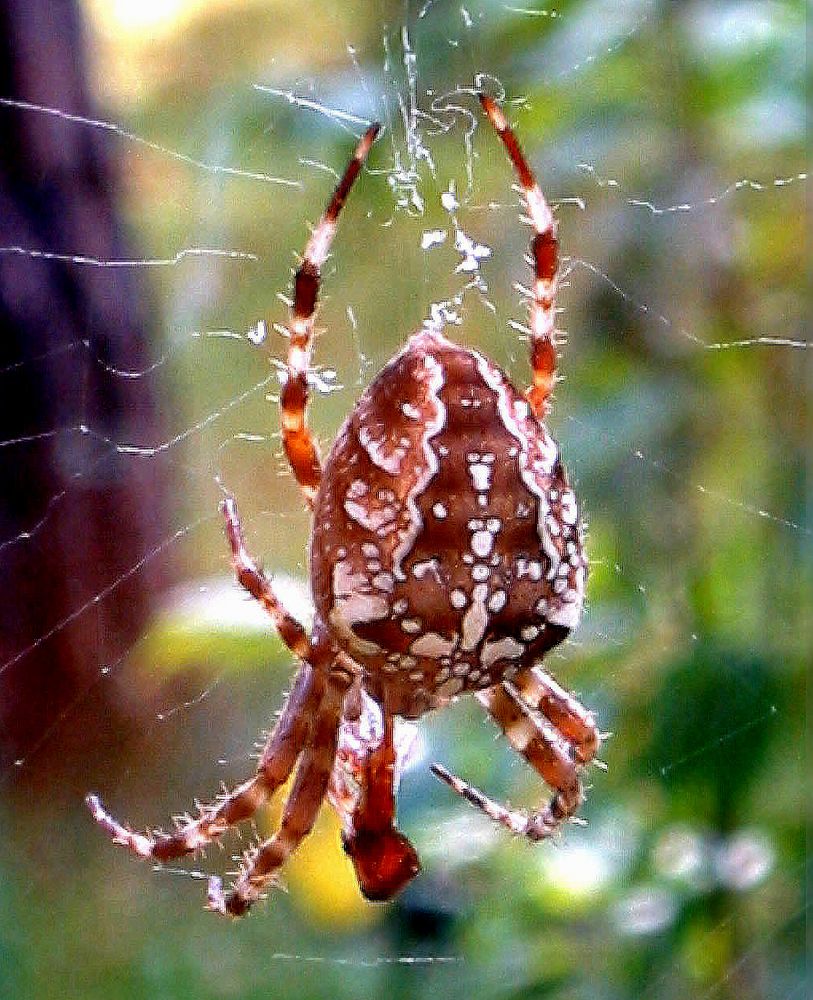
[(545, 263), (310, 785), (297, 439), (362, 791), (550, 755)]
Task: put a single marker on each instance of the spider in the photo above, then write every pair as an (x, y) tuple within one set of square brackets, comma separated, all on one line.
[(446, 556)]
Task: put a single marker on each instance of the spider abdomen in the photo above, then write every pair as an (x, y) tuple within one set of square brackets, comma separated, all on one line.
[(446, 549)]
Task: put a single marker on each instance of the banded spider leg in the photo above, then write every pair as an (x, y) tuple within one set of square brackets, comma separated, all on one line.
[(297, 439), (545, 263), (557, 737), (292, 734)]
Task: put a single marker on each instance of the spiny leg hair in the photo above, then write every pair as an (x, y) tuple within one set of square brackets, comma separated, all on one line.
[(251, 577), (276, 763), (297, 439)]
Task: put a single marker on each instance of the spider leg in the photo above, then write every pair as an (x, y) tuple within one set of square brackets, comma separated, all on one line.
[(310, 785), (362, 790), (541, 693), (550, 755), (250, 576), (297, 440), (544, 255), (277, 761)]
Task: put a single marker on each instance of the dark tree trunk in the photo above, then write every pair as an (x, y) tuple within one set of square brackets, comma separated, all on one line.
[(76, 514)]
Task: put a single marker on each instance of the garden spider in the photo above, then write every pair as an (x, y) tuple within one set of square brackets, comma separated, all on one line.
[(445, 556)]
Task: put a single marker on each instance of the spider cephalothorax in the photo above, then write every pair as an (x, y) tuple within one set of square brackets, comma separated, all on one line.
[(446, 556)]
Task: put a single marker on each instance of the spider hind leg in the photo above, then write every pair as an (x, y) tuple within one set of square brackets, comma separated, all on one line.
[(544, 261), (542, 693)]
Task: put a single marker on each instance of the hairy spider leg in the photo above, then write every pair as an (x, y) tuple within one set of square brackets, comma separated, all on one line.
[(297, 440), (577, 724), (302, 806), (383, 858), (544, 261), (289, 736), (285, 743), (252, 578), (546, 751)]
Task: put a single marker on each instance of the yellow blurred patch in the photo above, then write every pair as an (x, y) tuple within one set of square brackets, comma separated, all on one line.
[(322, 880), (146, 18), (320, 876)]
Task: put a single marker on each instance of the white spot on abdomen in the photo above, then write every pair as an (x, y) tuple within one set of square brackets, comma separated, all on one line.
[(569, 511), (368, 516), (497, 600), (475, 619), (382, 452), (433, 645), (568, 613), (480, 476), (458, 599), (501, 649), (481, 543)]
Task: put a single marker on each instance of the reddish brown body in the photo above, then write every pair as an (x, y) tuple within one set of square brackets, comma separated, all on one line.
[(446, 552), (446, 556)]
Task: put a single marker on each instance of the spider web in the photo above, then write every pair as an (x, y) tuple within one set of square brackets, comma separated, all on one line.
[(682, 416)]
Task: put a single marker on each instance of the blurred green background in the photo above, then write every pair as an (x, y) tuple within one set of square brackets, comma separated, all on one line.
[(691, 459)]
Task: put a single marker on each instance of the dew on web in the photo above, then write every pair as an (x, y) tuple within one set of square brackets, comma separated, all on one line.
[(743, 184)]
